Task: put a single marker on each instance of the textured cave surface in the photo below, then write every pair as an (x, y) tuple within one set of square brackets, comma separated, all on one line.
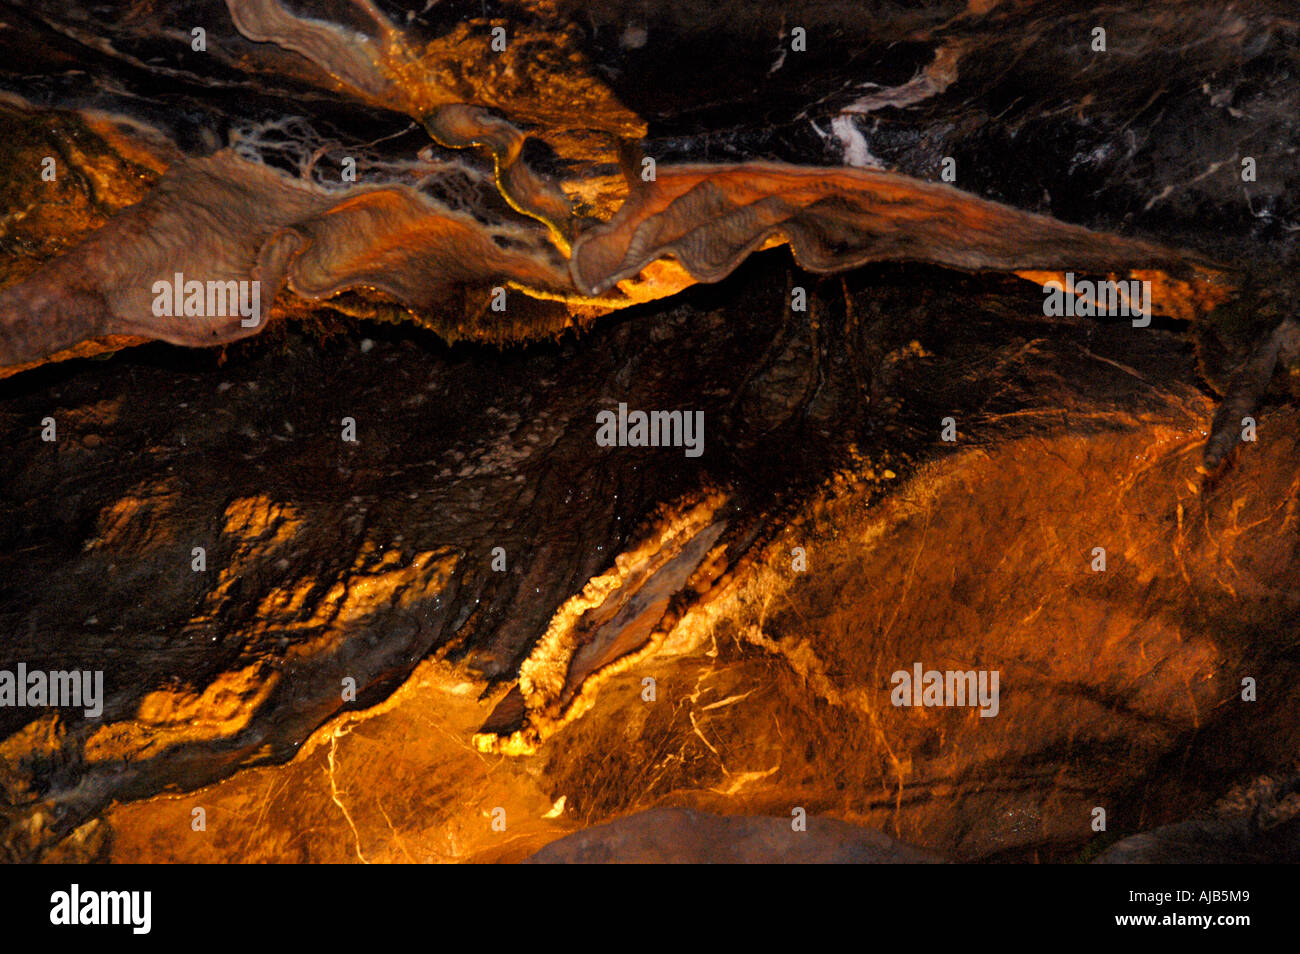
[(522, 690)]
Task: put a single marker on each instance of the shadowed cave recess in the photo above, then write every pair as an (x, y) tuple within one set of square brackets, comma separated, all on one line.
[(373, 562)]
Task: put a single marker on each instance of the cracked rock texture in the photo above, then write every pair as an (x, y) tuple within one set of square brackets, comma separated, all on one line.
[(474, 634)]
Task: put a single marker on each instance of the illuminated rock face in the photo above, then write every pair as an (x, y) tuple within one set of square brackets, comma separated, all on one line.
[(397, 599)]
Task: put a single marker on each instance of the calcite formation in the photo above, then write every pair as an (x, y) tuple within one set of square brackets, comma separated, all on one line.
[(324, 333)]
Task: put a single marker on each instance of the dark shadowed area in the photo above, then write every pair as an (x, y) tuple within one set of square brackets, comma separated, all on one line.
[(366, 583)]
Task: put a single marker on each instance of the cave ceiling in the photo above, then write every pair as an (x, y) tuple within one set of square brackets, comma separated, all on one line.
[(416, 411)]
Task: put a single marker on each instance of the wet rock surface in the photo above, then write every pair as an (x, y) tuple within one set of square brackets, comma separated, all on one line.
[(1119, 689), (476, 607)]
